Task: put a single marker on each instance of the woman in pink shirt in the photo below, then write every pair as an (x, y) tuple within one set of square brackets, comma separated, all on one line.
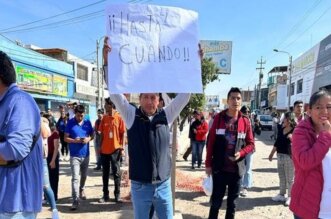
[(311, 154)]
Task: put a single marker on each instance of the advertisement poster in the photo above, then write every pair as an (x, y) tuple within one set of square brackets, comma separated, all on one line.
[(220, 52)]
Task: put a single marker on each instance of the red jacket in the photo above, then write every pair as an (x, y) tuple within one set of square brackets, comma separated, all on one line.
[(202, 130), (245, 140), (308, 152)]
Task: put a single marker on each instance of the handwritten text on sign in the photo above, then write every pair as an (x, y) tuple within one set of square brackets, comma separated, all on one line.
[(154, 49)]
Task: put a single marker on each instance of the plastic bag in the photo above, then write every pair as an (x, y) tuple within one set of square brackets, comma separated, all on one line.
[(207, 185)]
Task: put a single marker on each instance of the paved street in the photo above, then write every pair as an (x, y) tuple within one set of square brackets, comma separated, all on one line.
[(191, 204)]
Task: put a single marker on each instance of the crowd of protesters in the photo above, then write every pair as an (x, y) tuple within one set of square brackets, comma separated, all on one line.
[(31, 145)]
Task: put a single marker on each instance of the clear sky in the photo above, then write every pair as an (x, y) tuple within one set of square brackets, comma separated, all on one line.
[(255, 27)]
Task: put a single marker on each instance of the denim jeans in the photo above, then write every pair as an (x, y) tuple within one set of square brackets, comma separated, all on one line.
[(247, 179), (113, 161), (221, 180), (197, 149), (78, 164), (47, 187), (18, 215), (146, 194)]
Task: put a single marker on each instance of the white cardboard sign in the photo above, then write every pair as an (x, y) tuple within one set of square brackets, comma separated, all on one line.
[(154, 49)]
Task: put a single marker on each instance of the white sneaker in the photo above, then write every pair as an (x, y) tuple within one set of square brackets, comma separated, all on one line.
[(243, 192), (279, 198), (288, 201)]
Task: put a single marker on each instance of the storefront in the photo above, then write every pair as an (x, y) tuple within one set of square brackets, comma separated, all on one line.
[(49, 81)]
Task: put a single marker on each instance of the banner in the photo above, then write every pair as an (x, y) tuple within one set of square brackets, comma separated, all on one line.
[(60, 85), (212, 100), (154, 49), (220, 52), (33, 80)]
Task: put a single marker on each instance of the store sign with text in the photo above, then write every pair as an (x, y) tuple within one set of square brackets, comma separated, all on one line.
[(35, 80)]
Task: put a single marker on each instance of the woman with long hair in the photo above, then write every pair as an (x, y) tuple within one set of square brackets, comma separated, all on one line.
[(285, 167), (311, 191)]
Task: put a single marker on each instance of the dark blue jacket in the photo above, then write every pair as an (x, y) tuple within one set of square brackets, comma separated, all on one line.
[(149, 150)]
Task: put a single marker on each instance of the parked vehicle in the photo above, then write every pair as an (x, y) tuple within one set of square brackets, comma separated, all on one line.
[(266, 121)]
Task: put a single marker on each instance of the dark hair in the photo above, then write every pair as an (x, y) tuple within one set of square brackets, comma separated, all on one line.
[(245, 109), (7, 72), (297, 102), (316, 96), (80, 109), (109, 102), (290, 116), (101, 111), (233, 90)]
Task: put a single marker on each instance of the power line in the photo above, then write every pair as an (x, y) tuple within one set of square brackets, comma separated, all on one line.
[(80, 18), (295, 26), (301, 34), (54, 16)]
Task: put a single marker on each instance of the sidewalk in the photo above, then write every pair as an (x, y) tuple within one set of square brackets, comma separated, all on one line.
[(191, 204)]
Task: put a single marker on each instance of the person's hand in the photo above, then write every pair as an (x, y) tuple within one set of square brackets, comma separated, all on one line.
[(289, 137), (86, 140), (208, 171), (52, 164), (77, 140), (270, 157), (200, 52), (325, 126), (235, 157), (2, 161)]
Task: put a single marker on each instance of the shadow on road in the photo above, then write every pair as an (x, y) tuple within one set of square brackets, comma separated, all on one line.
[(266, 170)]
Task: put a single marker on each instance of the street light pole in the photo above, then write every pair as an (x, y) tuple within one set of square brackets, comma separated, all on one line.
[(100, 78), (290, 76)]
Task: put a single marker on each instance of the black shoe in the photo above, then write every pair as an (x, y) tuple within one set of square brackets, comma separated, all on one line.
[(82, 195), (103, 199), (192, 167), (74, 205), (117, 199)]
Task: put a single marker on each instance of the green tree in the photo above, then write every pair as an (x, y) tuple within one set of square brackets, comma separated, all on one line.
[(197, 101)]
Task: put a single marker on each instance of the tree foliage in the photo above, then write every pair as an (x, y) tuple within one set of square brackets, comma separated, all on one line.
[(197, 101)]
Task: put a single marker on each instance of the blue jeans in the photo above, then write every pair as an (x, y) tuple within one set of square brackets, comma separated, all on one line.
[(18, 215), (197, 149), (145, 194), (247, 177), (47, 188)]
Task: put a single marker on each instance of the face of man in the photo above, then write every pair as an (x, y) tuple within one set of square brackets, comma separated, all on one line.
[(298, 109), (79, 117), (234, 101), (149, 102), (108, 108)]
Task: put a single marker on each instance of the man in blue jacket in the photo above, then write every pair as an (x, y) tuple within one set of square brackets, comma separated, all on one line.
[(21, 168)]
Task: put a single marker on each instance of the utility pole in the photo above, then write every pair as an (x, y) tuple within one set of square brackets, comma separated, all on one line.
[(290, 81), (261, 63), (98, 78)]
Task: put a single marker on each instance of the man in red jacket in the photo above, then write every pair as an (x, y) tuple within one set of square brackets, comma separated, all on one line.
[(230, 140)]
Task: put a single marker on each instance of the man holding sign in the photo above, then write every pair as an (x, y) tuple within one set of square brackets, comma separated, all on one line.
[(154, 50)]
